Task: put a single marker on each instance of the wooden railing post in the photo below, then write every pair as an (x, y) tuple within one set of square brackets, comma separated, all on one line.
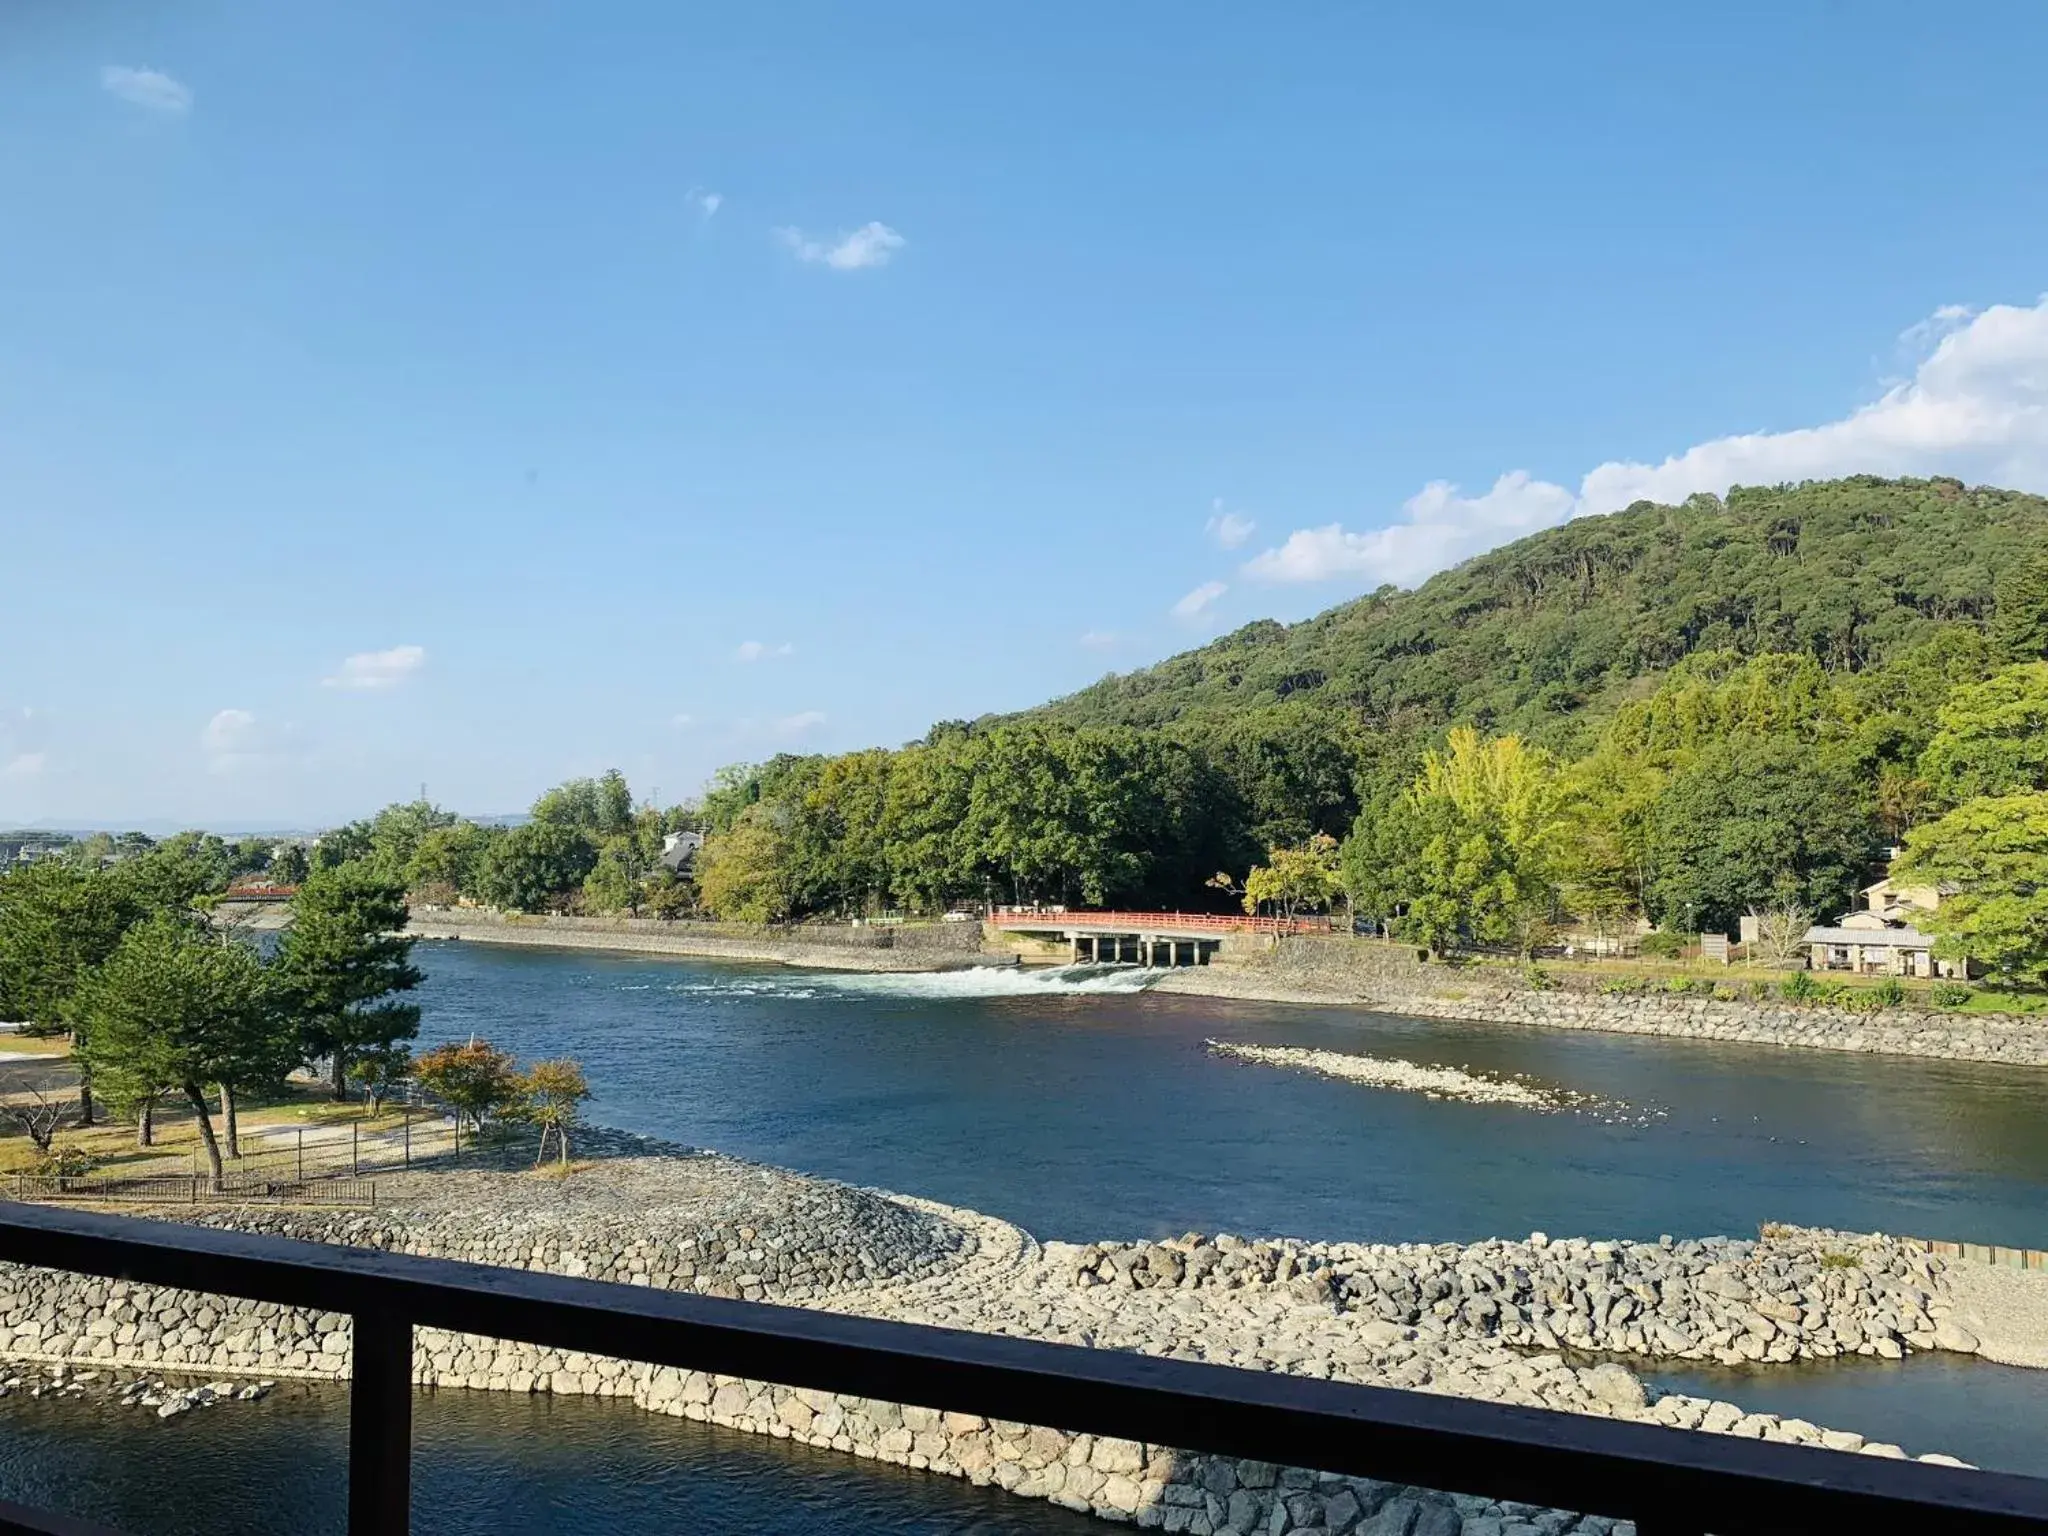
[(380, 1426)]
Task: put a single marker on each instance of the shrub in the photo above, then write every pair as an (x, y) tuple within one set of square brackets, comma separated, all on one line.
[(476, 1080), (1799, 987), (1724, 993), (1858, 999), (1949, 994), (1660, 945), (65, 1163), (1889, 993), (1538, 979), (1840, 1261), (1621, 986)]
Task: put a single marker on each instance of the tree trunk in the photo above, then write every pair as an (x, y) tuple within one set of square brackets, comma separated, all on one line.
[(340, 1074), (84, 1087), (145, 1123), (231, 1119), (203, 1117)]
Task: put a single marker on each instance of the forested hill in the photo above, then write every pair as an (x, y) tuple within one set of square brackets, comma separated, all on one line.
[(1541, 634)]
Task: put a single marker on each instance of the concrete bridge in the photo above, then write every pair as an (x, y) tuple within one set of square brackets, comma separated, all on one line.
[(1144, 938)]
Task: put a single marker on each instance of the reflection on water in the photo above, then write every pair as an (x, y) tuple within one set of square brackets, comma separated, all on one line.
[(1993, 1415), (1098, 1114), (484, 1464)]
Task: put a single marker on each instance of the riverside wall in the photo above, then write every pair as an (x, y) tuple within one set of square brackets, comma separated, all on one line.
[(823, 946), (1466, 1320), (1389, 978)]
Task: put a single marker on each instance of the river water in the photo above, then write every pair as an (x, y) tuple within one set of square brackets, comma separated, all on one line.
[(1081, 1107)]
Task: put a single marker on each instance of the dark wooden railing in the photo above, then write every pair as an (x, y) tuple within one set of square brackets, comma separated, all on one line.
[(1670, 1482)]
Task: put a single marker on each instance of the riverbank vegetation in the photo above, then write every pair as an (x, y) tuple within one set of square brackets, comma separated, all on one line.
[(160, 1004)]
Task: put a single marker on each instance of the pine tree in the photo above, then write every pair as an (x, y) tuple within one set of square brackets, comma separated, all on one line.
[(340, 962)]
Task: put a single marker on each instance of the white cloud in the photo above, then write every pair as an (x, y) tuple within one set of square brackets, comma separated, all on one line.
[(1228, 529), (1100, 639), (24, 765), (707, 203), (150, 88), (789, 727), (756, 650), (1197, 602), (232, 737), (869, 246), (378, 669), (1439, 529), (1975, 407)]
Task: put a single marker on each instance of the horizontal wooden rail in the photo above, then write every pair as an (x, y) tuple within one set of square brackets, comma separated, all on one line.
[(1670, 1482), (1156, 922)]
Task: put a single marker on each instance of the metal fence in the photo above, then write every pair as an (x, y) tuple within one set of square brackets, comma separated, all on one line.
[(192, 1189), (1670, 1482)]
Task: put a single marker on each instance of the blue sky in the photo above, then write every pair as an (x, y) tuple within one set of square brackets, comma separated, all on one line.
[(478, 395)]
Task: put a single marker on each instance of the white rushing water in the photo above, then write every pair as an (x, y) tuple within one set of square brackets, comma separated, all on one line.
[(992, 981), (968, 982)]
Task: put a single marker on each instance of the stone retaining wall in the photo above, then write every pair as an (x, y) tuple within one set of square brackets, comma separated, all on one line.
[(51, 1317), (826, 946), (1388, 977)]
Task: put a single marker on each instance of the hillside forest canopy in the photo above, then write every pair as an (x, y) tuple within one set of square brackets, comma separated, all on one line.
[(1674, 713)]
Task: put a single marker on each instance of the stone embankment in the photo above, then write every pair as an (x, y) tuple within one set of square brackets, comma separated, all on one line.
[(821, 946), (1796, 1295), (1387, 977), (1487, 1320)]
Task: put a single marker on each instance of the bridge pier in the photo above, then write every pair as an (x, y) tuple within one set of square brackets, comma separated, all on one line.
[(1157, 950)]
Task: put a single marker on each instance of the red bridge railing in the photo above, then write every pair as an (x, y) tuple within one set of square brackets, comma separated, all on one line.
[(1155, 922)]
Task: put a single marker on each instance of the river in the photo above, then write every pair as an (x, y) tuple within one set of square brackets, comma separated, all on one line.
[(1080, 1107)]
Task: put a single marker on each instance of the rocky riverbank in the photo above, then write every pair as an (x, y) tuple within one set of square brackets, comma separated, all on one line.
[(1491, 1320), (1387, 978)]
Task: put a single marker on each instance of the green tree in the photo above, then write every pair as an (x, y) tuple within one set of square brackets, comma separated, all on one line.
[(609, 887), (57, 922), (176, 1005), (1756, 818), (2020, 625), (1298, 879), (378, 1070), (447, 860), (552, 1094), (397, 831), (341, 845), (1990, 856), (289, 866), (178, 872), (1468, 855), (1993, 738), (743, 872), (341, 963), (600, 808), (534, 867), (475, 1079)]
